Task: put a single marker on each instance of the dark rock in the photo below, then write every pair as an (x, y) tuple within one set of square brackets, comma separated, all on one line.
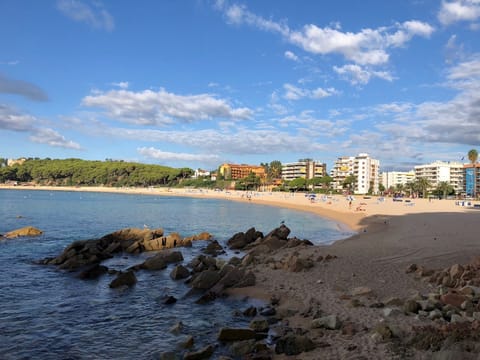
[(259, 324), (250, 312), (205, 280), (124, 279), (204, 353), (214, 248), (268, 311), (236, 334), (237, 241), (179, 272), (411, 306), (170, 300), (93, 272), (281, 232), (161, 260), (294, 345)]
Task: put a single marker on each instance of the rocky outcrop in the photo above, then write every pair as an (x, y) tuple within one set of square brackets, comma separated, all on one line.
[(129, 240), (124, 279), (27, 231), (161, 260)]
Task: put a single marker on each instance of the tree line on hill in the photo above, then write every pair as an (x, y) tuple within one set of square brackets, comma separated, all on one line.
[(77, 172)]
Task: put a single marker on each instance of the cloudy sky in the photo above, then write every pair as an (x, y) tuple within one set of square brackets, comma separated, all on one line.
[(197, 83)]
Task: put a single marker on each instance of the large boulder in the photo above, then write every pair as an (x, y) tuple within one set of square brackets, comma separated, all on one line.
[(124, 279), (205, 280), (179, 272), (240, 240), (26, 231), (236, 334), (161, 260)]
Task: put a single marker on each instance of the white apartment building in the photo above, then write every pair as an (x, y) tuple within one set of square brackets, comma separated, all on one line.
[(303, 169), (394, 178), (362, 167), (439, 171)]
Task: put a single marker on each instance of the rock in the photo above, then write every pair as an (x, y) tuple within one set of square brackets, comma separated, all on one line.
[(168, 355), (294, 345), (213, 248), (170, 300), (391, 312), (411, 306), (297, 264), (93, 272), (241, 348), (204, 353), (237, 241), (236, 334), (456, 271), (177, 328), (205, 280), (453, 299), (268, 311), (281, 232), (383, 331), (124, 279), (23, 232), (252, 311), (179, 272), (331, 322), (187, 343), (435, 314), (259, 324), (411, 268), (361, 291), (161, 260)]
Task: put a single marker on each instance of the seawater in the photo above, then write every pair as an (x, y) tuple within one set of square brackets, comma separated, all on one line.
[(47, 313)]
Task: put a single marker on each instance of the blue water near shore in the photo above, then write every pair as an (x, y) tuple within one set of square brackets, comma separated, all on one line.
[(46, 313)]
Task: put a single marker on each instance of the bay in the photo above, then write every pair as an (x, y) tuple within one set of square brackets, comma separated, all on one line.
[(50, 314)]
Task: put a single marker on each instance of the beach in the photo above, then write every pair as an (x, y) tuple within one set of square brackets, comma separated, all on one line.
[(389, 237)]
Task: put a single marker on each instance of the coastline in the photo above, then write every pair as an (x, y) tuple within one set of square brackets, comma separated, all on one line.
[(389, 237)]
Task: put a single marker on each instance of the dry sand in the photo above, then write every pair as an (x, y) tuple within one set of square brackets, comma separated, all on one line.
[(389, 236)]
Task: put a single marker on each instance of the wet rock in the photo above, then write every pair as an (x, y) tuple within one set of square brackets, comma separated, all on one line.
[(214, 249), (250, 311), (93, 272), (26, 231), (170, 300), (161, 260), (179, 272), (204, 353), (124, 279), (205, 280), (236, 334), (187, 343), (259, 324)]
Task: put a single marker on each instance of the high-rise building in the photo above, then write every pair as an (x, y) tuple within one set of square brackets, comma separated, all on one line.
[(472, 179), (306, 169), (394, 178), (364, 170), (451, 172)]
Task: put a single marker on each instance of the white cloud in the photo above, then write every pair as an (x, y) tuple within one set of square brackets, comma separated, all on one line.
[(10, 63), (293, 92), (121, 84), (161, 107), (53, 138), (291, 56), (358, 75), (151, 152), (96, 16), (459, 10), (366, 47)]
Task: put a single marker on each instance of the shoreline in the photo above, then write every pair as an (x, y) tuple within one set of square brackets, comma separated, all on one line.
[(390, 236)]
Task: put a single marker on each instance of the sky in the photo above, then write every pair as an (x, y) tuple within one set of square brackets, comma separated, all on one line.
[(198, 83)]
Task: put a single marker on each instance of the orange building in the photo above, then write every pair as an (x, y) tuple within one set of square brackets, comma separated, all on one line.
[(234, 171)]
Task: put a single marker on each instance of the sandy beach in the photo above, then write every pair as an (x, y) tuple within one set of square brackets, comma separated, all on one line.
[(390, 235)]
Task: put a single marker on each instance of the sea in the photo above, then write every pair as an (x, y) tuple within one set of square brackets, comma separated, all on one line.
[(47, 313)]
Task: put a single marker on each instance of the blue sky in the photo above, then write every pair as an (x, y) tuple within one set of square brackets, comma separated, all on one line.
[(197, 83)]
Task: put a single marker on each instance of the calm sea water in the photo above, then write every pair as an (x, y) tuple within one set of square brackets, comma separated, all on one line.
[(46, 313)]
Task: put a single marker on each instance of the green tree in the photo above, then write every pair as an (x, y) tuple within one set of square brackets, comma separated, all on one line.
[(422, 184), (444, 188), (350, 182), (298, 184), (473, 157), (275, 169)]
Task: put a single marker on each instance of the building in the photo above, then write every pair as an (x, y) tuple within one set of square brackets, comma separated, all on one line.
[(235, 172), (306, 169), (201, 173), (12, 162), (364, 170), (471, 171), (451, 172), (393, 178)]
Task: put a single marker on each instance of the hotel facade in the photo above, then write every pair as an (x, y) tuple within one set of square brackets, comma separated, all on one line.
[(451, 172), (308, 169), (362, 167)]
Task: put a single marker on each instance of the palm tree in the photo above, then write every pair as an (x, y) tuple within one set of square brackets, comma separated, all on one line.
[(445, 188), (473, 157), (423, 184)]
